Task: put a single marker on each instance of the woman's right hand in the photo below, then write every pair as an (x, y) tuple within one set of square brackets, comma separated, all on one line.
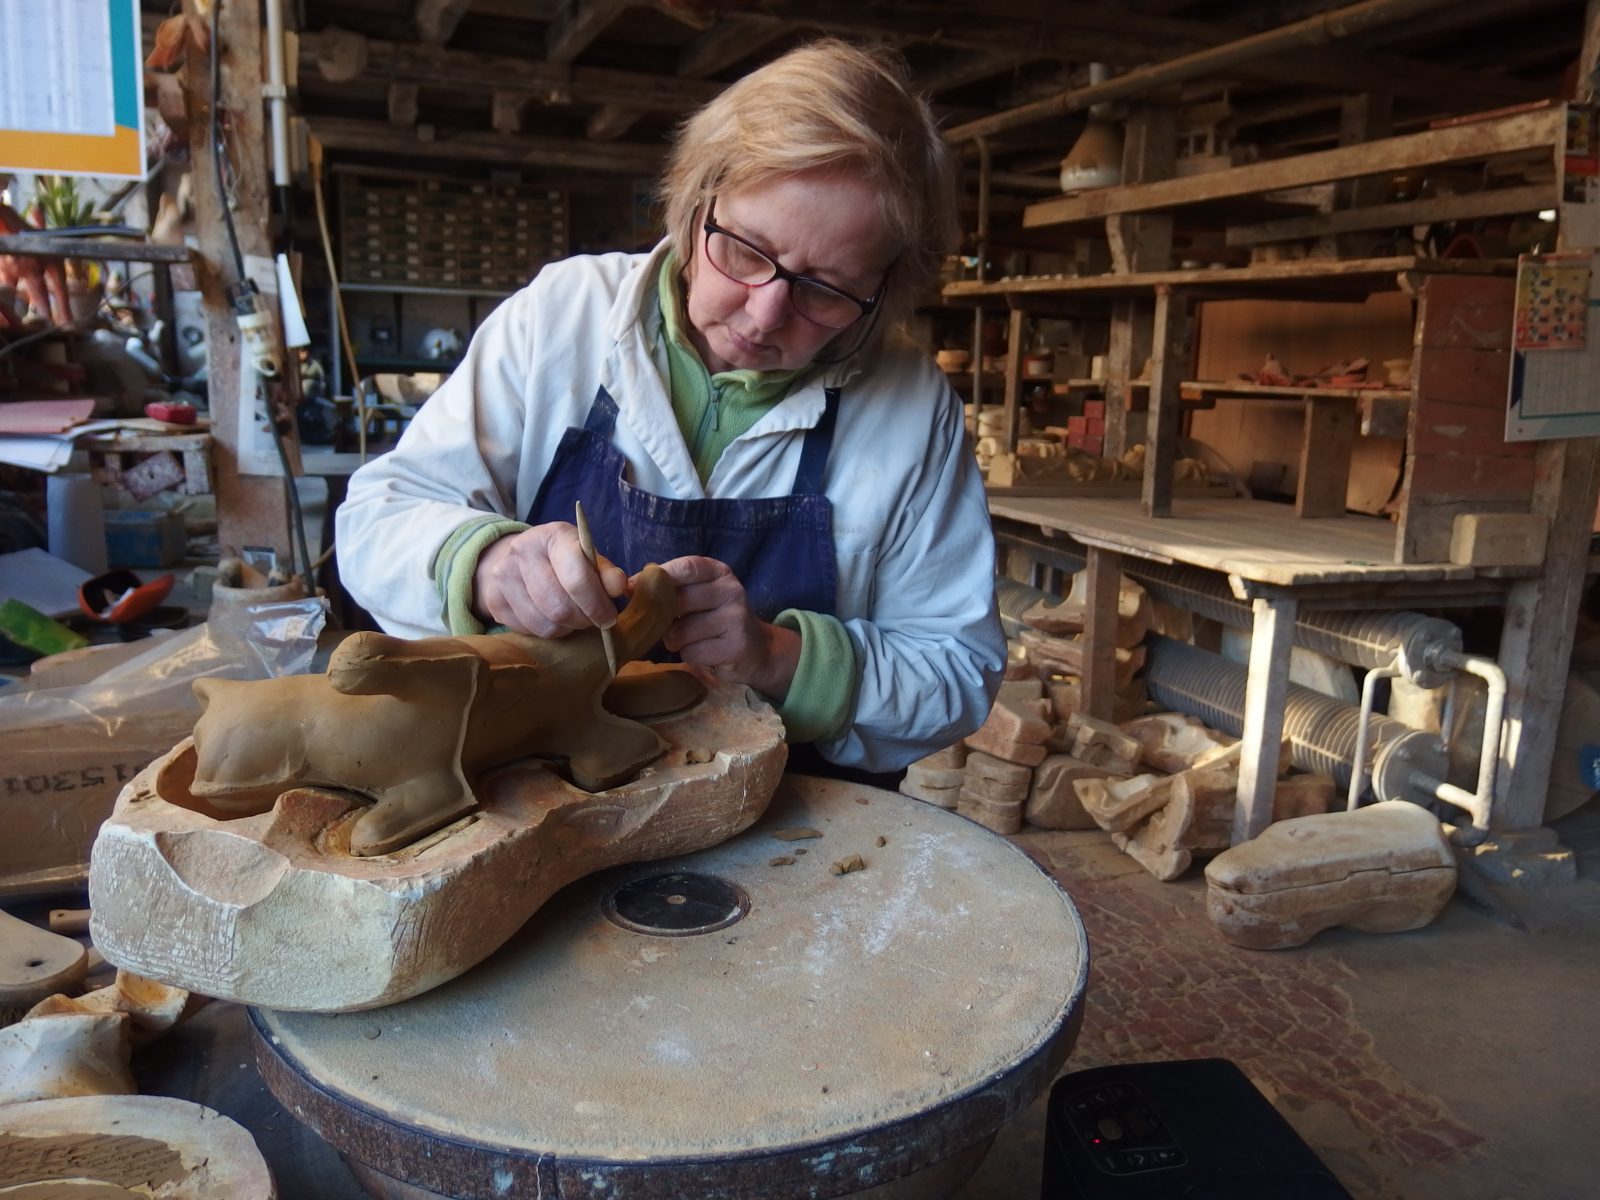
[(539, 582)]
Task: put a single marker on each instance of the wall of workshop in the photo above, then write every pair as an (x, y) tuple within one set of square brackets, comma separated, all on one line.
[(1262, 438)]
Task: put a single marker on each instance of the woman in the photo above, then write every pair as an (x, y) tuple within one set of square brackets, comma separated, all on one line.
[(732, 407)]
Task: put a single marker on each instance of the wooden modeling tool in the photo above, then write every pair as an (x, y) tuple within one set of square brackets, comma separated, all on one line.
[(586, 540)]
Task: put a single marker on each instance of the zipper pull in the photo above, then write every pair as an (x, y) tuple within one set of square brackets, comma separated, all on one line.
[(716, 409)]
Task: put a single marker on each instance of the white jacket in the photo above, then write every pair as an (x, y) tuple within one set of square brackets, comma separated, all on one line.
[(910, 525)]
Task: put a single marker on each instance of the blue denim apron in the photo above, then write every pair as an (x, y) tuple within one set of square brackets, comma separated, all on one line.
[(780, 548)]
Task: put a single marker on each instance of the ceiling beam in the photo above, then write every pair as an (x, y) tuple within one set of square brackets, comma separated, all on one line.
[(729, 41), (1344, 22), (578, 25), (378, 137), (333, 54), (437, 19)]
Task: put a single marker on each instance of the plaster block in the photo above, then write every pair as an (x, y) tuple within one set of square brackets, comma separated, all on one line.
[(1026, 753), (1002, 816), (987, 766), (950, 757), (938, 777), (939, 797), (1498, 539), (993, 789)]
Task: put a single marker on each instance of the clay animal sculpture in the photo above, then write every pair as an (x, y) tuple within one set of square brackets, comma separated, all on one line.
[(412, 723)]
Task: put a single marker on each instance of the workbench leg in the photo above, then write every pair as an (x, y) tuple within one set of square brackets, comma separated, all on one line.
[(1266, 691), (1103, 585), (1536, 652)]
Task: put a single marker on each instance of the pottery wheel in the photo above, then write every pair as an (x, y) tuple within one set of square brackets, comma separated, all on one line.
[(716, 1025)]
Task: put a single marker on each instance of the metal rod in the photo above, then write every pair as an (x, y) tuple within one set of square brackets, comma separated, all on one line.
[(1358, 760)]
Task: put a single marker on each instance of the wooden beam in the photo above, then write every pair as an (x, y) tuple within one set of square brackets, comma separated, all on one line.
[(580, 23), (1497, 203), (1475, 140), (350, 57), (1266, 692), (252, 510), (437, 19), (725, 43), (1345, 22), (347, 133)]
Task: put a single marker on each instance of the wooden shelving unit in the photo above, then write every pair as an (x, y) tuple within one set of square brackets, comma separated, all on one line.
[(1451, 415)]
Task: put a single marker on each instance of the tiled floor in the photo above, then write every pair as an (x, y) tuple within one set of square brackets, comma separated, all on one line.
[(1457, 1061)]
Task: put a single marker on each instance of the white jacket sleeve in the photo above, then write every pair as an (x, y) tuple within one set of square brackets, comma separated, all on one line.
[(457, 461), (932, 653)]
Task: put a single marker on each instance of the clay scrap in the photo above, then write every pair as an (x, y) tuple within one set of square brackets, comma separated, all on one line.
[(129, 1146), (237, 905)]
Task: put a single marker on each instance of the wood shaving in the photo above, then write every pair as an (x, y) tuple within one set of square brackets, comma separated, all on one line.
[(783, 860), (846, 865)]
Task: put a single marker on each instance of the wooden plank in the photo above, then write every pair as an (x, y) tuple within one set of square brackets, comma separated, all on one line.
[(1104, 583), (1325, 451), (342, 57), (1442, 427), (1169, 362), (1017, 327), (578, 24), (1358, 274), (252, 510), (734, 37), (1433, 210), (1127, 348), (88, 247), (349, 133), (1486, 475), (437, 19), (1362, 119), (1259, 541), (1464, 377), (1480, 140), (1265, 694)]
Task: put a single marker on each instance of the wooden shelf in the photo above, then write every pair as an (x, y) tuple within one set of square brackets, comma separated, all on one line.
[(1334, 278), (1470, 141), (420, 289), (85, 247)]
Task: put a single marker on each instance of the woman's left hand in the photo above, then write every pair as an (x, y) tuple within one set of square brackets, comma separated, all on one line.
[(716, 629)]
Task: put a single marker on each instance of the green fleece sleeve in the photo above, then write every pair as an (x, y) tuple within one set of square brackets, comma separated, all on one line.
[(455, 564), (823, 693)]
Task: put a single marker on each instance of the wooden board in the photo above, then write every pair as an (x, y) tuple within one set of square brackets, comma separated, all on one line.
[(1126, 489), (1354, 277), (1259, 541)]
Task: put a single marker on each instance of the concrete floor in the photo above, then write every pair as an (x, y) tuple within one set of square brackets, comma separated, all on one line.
[(1456, 1062)]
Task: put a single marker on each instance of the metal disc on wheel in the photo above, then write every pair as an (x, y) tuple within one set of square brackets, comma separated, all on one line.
[(725, 1024)]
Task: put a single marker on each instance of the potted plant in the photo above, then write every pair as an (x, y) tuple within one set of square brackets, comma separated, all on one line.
[(57, 204)]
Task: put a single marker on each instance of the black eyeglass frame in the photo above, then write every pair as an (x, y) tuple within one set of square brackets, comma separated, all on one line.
[(779, 271)]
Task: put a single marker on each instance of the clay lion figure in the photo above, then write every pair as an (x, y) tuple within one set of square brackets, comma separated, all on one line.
[(412, 723)]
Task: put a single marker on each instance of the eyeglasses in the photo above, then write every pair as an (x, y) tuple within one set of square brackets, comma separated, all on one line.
[(814, 300)]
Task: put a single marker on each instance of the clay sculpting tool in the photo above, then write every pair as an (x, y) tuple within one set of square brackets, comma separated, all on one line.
[(586, 540)]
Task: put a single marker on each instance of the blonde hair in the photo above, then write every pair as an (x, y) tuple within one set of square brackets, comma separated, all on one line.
[(826, 106)]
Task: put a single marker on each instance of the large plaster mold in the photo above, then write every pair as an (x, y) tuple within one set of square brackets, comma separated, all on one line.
[(273, 909)]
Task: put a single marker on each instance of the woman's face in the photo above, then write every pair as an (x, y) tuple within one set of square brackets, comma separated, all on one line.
[(820, 224)]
